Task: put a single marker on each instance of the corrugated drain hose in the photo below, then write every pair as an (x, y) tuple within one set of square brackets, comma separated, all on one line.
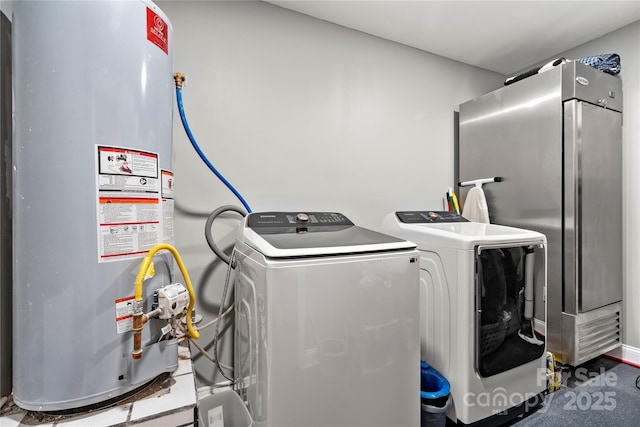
[(207, 229)]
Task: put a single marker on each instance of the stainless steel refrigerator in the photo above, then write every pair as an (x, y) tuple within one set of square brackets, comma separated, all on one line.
[(555, 139)]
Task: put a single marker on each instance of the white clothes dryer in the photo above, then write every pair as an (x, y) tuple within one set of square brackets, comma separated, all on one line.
[(480, 285), (327, 323)]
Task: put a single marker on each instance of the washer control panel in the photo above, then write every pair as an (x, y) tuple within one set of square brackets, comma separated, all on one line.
[(296, 219), (429, 217)]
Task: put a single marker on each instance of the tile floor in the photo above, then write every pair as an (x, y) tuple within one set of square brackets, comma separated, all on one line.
[(171, 401)]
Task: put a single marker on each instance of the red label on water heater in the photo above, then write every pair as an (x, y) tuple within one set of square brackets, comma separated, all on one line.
[(157, 31)]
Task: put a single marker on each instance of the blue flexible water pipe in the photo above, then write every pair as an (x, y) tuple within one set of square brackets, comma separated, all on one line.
[(201, 154)]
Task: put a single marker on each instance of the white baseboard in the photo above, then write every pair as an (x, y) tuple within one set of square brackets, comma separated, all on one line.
[(626, 354)]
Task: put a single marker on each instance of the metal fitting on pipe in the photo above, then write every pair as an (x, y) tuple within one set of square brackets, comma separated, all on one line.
[(179, 79)]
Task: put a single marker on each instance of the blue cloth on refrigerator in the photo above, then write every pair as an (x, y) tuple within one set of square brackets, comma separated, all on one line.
[(608, 62)]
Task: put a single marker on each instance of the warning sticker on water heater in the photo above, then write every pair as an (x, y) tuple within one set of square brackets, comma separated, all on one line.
[(128, 203), (167, 184), (167, 207), (121, 169), (124, 314), (129, 226)]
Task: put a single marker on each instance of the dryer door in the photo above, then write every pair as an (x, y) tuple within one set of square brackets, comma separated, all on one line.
[(505, 299)]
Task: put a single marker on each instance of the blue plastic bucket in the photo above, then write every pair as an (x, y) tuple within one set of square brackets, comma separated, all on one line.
[(435, 397), (434, 388)]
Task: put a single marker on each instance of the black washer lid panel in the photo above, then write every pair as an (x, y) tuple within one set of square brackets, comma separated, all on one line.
[(346, 237), (283, 230)]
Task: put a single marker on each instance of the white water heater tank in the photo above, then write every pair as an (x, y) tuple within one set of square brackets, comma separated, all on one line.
[(93, 85)]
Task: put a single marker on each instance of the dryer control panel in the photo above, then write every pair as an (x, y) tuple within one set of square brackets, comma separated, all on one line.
[(429, 217)]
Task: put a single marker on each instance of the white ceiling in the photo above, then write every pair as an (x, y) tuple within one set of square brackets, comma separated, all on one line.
[(502, 36)]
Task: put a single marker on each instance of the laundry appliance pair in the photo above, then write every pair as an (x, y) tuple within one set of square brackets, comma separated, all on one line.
[(333, 319)]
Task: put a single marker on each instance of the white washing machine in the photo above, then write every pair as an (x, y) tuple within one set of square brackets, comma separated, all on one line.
[(327, 323), (480, 285)]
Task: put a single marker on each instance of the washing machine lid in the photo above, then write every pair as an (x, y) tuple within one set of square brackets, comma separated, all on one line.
[(451, 230), (303, 234)]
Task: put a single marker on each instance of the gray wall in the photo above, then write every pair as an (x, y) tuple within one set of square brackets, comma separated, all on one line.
[(301, 114), (6, 8)]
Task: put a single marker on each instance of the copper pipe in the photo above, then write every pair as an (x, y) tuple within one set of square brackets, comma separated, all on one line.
[(138, 322)]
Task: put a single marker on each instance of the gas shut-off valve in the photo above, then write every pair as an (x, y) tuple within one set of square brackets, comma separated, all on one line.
[(172, 300)]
